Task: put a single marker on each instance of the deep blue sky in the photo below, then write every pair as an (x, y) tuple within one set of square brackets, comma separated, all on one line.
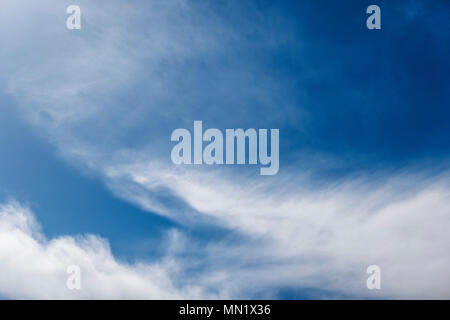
[(380, 96)]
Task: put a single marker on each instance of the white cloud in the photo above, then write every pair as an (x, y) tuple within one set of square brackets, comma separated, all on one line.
[(321, 239), (325, 237), (33, 267)]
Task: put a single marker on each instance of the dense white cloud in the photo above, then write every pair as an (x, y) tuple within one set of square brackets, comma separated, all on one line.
[(95, 93), (33, 267)]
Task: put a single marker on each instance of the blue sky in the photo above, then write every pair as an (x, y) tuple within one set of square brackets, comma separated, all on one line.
[(85, 125)]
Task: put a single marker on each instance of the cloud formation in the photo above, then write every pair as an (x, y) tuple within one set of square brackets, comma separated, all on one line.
[(321, 239), (34, 267), (324, 237), (109, 97)]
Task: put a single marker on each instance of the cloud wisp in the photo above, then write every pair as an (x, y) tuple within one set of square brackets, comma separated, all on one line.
[(323, 237)]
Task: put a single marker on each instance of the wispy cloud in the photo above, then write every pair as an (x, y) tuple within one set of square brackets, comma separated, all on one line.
[(323, 237)]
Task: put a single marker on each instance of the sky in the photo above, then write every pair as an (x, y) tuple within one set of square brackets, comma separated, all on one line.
[(86, 176)]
